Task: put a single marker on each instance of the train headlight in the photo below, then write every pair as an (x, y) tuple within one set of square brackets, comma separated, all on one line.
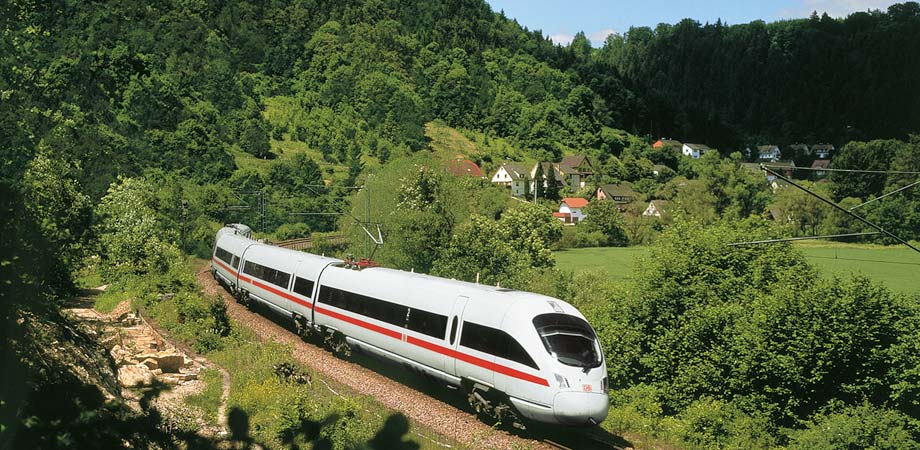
[(562, 381)]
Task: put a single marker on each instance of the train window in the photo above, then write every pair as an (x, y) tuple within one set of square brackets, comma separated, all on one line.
[(236, 262), (381, 310), (223, 255), (303, 287), (569, 339), (453, 330), (273, 276), (427, 323), (495, 342)]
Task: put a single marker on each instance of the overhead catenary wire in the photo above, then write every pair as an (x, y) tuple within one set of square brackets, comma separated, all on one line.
[(840, 208), (886, 195), (803, 238), (885, 172)]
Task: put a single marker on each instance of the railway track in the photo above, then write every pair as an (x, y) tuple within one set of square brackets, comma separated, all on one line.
[(307, 243), (440, 409)]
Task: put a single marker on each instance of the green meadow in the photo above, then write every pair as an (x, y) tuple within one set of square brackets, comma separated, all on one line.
[(898, 267)]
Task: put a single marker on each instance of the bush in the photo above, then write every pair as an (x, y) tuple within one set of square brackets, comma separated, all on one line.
[(862, 426), (292, 231)]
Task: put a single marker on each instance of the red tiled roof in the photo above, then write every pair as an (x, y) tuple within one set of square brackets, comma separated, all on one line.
[(575, 202), (464, 167)]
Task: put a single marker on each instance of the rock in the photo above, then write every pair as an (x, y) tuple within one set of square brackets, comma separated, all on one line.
[(169, 379), (158, 371), (151, 363), (119, 354), (110, 342), (170, 362), (133, 376), (184, 376)]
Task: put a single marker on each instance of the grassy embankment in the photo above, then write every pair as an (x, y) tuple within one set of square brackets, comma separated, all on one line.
[(280, 411), (895, 266)]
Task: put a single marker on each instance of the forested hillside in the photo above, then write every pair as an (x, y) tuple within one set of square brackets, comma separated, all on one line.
[(805, 80), (130, 131)]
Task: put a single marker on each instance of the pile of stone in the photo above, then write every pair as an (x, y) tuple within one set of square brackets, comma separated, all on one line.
[(142, 356)]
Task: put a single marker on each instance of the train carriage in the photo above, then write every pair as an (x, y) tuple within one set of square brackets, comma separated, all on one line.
[(507, 349)]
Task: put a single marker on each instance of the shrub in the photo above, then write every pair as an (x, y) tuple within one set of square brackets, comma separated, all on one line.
[(862, 426)]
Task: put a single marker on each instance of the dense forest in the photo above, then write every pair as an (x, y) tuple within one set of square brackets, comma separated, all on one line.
[(129, 132)]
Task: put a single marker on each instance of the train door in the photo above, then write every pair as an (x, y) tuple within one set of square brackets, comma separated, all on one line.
[(453, 331)]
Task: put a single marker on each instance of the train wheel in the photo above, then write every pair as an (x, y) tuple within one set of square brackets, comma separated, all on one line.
[(336, 343), (303, 330), (492, 406), (244, 299)]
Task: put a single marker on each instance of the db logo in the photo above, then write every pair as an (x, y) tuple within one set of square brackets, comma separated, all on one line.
[(586, 387)]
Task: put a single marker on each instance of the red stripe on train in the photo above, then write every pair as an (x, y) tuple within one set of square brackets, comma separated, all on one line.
[(488, 365), (476, 361), (268, 288), (360, 323)]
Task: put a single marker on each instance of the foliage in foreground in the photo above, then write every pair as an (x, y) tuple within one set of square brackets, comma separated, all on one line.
[(753, 339)]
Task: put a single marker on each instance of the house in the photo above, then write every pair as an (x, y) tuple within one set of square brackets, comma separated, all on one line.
[(822, 151), (657, 208), (820, 167), (658, 169), (464, 168), (786, 167), (514, 176), (670, 143), (570, 210), (768, 153), (547, 167), (798, 150), (577, 169), (621, 194), (695, 150)]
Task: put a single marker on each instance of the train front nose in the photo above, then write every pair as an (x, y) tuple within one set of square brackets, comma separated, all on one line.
[(581, 408)]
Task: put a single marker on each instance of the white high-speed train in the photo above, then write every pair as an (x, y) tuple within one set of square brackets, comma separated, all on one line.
[(513, 353)]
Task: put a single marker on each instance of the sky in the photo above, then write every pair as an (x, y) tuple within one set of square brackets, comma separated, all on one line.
[(560, 20)]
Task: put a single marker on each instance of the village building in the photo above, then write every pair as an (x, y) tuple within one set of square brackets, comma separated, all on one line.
[(798, 150), (657, 208), (768, 153), (578, 171), (820, 167), (464, 168), (570, 210), (786, 167), (547, 168), (822, 151), (621, 194), (669, 143), (695, 150), (514, 176)]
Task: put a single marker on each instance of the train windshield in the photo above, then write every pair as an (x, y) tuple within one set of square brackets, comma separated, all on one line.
[(569, 339)]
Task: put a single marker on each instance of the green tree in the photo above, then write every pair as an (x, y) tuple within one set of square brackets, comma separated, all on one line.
[(131, 239), (552, 188), (539, 180), (603, 216)]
